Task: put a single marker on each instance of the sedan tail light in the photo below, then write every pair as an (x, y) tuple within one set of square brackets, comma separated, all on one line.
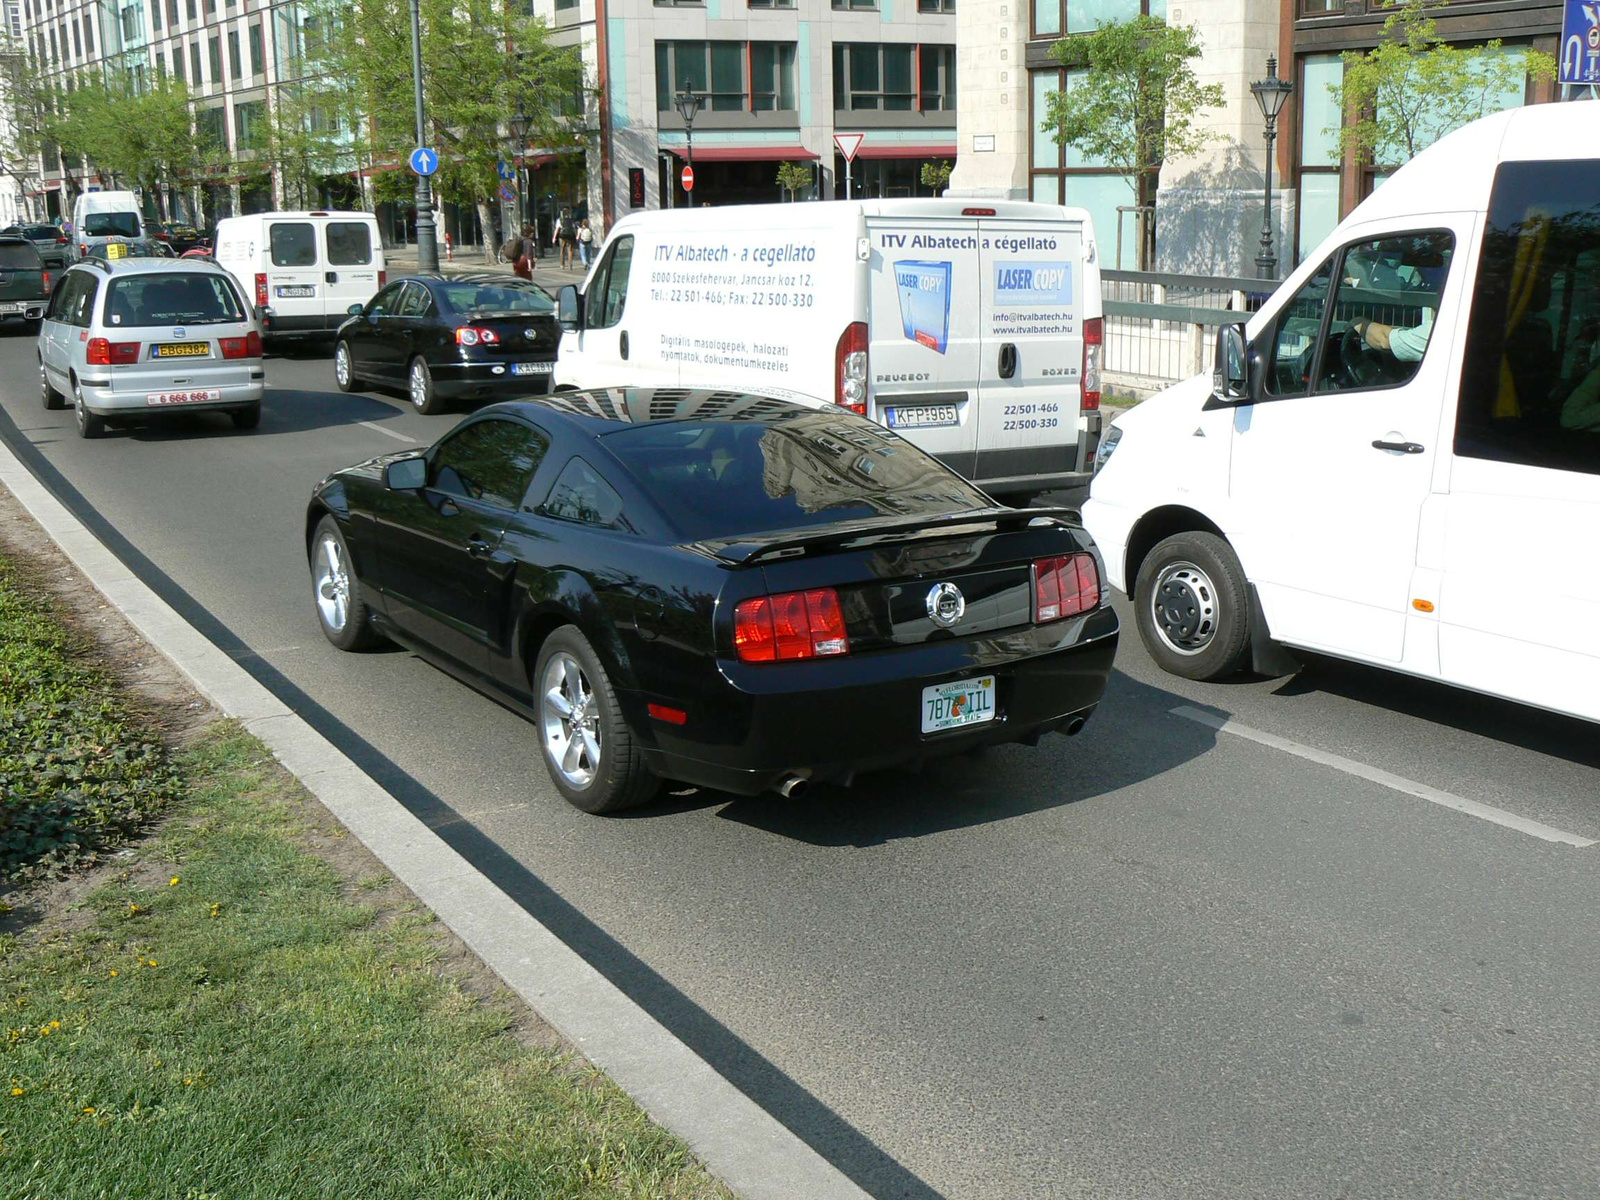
[(850, 369), (104, 353), (1064, 587), (789, 626), (471, 335), (1094, 336), (261, 289), (248, 346)]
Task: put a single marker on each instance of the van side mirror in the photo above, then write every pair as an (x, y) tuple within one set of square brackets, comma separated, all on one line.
[(406, 474), (569, 312), (1230, 377)]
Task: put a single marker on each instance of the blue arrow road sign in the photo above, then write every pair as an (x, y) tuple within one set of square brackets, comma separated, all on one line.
[(1580, 42), (424, 161), (505, 169)]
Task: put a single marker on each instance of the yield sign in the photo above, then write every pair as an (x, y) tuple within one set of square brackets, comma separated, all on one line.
[(848, 144), (688, 179)]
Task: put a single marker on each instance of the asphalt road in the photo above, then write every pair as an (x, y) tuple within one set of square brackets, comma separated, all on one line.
[(1156, 960)]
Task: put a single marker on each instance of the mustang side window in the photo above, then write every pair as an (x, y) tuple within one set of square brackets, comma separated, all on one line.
[(490, 462), (1383, 311), (581, 495)]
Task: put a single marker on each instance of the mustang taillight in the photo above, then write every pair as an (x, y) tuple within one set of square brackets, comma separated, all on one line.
[(1064, 587), (248, 346), (850, 369), (261, 289), (471, 335), (104, 353), (1094, 336), (790, 625)]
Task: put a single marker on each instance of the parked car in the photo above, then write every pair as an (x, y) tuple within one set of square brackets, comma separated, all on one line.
[(972, 329), (444, 339), (101, 216), (118, 248), (179, 235), (139, 338), (302, 270), (729, 590), (1397, 460), (24, 283), (55, 248)]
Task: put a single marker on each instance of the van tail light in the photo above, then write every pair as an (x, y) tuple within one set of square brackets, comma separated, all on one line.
[(383, 278), (850, 369), (261, 289), (1064, 587), (1094, 336), (103, 353), (790, 625), (471, 335), (977, 212), (248, 346)]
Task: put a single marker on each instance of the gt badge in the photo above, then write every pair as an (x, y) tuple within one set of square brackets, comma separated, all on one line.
[(946, 604)]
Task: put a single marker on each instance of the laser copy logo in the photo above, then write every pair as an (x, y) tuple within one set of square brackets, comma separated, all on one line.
[(924, 289), (1018, 284)]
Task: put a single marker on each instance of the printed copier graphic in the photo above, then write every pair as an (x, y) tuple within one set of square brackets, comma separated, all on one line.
[(925, 302)]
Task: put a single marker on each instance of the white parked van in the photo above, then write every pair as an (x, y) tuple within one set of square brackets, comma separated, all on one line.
[(100, 217), (303, 270), (1398, 460), (973, 331)]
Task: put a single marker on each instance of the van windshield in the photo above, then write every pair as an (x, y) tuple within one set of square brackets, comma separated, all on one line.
[(172, 299), (111, 224)]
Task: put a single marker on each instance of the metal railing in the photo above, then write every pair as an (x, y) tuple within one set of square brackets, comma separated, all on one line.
[(1160, 328)]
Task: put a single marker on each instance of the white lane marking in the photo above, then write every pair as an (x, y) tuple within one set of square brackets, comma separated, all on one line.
[(1484, 812), (404, 437)]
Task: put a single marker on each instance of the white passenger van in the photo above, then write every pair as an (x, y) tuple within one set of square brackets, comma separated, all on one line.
[(303, 270), (974, 331), (100, 217), (1398, 459)]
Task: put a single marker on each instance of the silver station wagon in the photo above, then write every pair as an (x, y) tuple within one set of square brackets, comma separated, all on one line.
[(136, 339)]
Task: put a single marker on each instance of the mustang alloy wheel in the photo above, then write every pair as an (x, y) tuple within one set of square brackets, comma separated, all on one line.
[(341, 609)]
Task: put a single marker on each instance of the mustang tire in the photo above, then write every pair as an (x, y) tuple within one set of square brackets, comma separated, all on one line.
[(341, 610), (1192, 605), (588, 748)]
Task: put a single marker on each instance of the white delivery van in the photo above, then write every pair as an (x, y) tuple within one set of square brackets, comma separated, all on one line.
[(974, 331), (303, 270), (99, 217), (1398, 458)]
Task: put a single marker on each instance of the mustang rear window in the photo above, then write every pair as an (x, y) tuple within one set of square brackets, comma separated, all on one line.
[(163, 299), (729, 478)]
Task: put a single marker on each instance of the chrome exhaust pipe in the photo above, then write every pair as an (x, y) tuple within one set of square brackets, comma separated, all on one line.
[(1074, 726), (793, 788)]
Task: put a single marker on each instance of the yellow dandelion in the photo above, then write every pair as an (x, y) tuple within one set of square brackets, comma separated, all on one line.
[(55, 1024), (173, 882), (44, 1031), (18, 1092), (90, 1110), (133, 909), (114, 972), (154, 963), (216, 909)]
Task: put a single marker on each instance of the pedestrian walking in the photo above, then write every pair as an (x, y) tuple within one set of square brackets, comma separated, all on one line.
[(567, 238), (519, 252), (585, 242)]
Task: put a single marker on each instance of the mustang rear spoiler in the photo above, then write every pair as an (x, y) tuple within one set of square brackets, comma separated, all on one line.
[(741, 551)]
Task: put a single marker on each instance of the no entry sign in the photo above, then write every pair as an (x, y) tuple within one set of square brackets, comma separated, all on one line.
[(688, 179)]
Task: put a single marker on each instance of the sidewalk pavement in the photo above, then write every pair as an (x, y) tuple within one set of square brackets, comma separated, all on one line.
[(547, 271)]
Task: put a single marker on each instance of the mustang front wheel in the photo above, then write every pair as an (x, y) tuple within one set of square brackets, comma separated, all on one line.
[(341, 611)]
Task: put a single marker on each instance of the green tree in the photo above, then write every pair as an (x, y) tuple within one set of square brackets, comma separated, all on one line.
[(794, 178), (936, 175), (483, 61), (1136, 102), (1413, 88)]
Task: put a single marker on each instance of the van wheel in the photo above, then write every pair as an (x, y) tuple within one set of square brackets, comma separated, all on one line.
[(344, 373), (89, 425), (420, 386), (48, 396), (1192, 605)]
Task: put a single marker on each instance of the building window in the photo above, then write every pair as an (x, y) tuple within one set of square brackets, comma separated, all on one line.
[(172, 14), (211, 124), (211, 8), (235, 62), (189, 6), (937, 78), (177, 63), (771, 3), (859, 4), (1050, 17), (715, 68), (869, 75), (130, 25), (1064, 175), (216, 59), (256, 49), (155, 15), (1320, 122), (77, 41), (194, 64), (771, 76), (566, 4), (1318, 8), (936, 6), (249, 123)]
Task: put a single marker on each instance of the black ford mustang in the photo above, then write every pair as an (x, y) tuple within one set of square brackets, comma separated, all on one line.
[(728, 590)]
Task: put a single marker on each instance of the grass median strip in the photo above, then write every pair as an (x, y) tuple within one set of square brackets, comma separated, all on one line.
[(242, 1005)]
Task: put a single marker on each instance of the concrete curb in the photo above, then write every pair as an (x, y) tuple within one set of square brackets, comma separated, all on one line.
[(737, 1140)]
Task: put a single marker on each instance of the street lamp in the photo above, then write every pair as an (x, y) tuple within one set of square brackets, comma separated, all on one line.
[(1271, 93), (427, 248), (689, 104), (519, 123)]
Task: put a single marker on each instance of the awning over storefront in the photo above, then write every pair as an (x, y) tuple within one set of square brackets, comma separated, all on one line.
[(903, 150), (720, 153)]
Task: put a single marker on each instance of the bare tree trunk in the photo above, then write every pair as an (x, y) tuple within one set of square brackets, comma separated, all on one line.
[(486, 221)]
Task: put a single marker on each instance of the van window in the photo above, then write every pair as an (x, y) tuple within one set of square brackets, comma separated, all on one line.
[(1530, 382), (1383, 311), (608, 290), (293, 245), (110, 224), (349, 243), (169, 299), (1294, 340)]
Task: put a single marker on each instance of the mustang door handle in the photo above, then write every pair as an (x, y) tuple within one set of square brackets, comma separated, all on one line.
[(479, 546), (1399, 447)]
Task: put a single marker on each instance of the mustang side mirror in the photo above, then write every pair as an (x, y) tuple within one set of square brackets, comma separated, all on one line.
[(355, 310), (569, 313), (1230, 377), (406, 474)]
